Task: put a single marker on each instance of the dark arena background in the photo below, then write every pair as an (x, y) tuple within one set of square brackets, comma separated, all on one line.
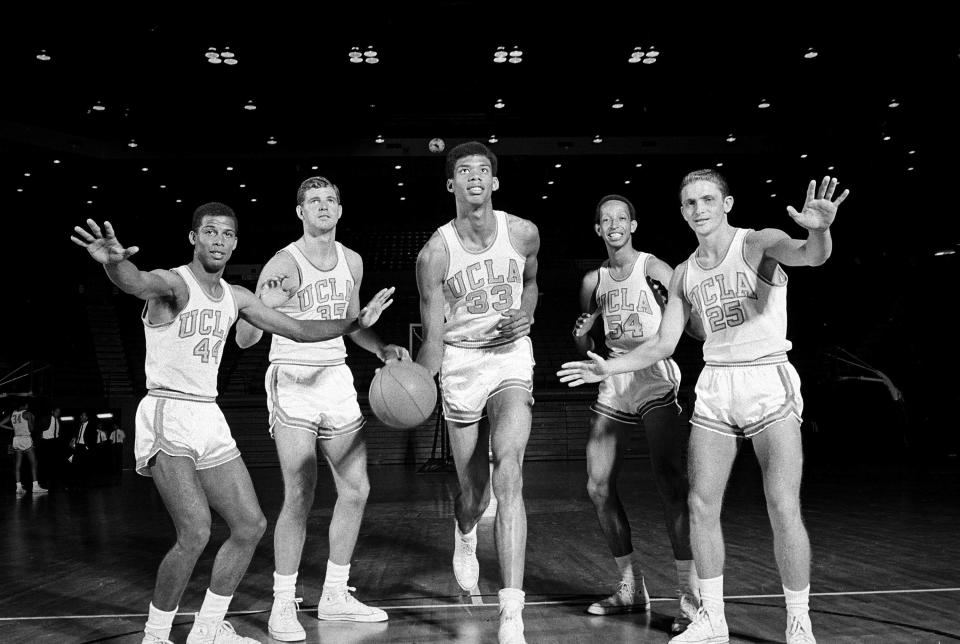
[(120, 116)]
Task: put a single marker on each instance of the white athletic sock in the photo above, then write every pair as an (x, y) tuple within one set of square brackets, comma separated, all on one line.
[(687, 576), (798, 601), (159, 622), (284, 586), (510, 599), (711, 595), (214, 608), (337, 576), (630, 570)]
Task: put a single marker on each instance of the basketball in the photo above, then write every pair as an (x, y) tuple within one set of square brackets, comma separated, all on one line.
[(436, 145), (402, 394)]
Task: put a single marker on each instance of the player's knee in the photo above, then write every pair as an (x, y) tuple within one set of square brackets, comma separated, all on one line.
[(251, 529), (507, 480), (356, 491), (298, 497), (598, 490), (703, 507), (194, 537), (783, 508)]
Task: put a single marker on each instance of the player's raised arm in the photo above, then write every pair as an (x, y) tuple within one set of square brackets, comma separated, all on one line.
[(590, 312), (659, 347), (263, 317), (817, 215), (431, 265), (104, 248), (278, 282)]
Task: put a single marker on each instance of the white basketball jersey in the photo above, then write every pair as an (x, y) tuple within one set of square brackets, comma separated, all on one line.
[(479, 286), (744, 316), (631, 315), (21, 426), (323, 295), (184, 355)]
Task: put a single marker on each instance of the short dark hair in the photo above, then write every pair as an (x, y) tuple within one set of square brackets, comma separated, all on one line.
[(315, 182), (469, 149), (706, 175), (596, 215), (213, 209)]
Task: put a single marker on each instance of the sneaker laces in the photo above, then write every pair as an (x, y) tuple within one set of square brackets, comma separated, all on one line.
[(468, 546), (289, 607), (797, 627)]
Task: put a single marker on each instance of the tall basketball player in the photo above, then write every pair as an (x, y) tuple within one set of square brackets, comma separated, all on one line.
[(477, 277)]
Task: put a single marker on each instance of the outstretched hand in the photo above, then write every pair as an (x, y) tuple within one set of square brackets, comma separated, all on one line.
[(583, 371), (819, 208), (102, 246), (371, 312), (585, 322)]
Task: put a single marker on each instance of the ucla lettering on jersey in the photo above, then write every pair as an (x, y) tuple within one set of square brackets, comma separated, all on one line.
[(631, 315), (322, 295), (743, 315), (479, 286), (183, 355)]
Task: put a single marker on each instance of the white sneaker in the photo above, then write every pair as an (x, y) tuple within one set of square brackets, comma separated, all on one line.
[(625, 599), (511, 625), (21, 491), (466, 568), (37, 490), (221, 633), (706, 628), (150, 638), (689, 605), (340, 605), (283, 624), (799, 630)]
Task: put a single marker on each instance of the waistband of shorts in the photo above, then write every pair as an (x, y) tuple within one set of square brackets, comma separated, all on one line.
[(309, 363), (179, 395), (773, 358), (485, 343)]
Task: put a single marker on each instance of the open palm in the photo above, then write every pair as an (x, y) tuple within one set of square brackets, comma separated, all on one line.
[(102, 245), (371, 312), (819, 208)]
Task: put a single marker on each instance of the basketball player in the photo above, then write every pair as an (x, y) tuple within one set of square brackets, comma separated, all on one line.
[(618, 292), (311, 400), (21, 422), (734, 282), (182, 438), (477, 277)]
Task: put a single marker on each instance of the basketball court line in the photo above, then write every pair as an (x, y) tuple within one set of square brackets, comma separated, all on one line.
[(477, 600)]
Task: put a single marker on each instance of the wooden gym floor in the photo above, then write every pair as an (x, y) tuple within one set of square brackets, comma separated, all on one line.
[(79, 565)]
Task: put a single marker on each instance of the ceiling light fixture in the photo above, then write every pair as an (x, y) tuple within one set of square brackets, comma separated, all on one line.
[(617, 104), (493, 139), (499, 104), (379, 139), (764, 104), (811, 53), (43, 55)]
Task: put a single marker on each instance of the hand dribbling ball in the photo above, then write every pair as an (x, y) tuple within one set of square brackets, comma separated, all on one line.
[(436, 145), (403, 394)]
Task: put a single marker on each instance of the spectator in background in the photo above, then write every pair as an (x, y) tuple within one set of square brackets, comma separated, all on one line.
[(50, 450)]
